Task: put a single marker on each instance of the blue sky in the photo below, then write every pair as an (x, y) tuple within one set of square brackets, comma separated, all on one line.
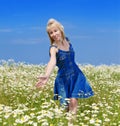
[(93, 27)]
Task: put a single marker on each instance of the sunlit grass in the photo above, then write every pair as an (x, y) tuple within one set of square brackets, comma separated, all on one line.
[(22, 104)]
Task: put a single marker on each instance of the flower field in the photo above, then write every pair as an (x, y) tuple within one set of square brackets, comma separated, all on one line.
[(21, 104)]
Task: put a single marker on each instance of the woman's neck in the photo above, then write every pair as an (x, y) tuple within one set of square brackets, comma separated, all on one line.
[(64, 45)]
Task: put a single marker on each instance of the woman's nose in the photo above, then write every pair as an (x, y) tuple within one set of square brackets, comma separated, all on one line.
[(54, 34)]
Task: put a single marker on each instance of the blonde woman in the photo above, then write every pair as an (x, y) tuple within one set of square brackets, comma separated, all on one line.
[(70, 83)]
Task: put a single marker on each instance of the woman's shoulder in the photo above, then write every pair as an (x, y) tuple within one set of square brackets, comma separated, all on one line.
[(53, 45), (53, 48)]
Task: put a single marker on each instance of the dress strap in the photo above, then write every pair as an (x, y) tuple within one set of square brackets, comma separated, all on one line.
[(67, 39), (51, 47)]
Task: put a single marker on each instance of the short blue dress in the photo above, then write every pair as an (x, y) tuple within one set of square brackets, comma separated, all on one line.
[(70, 81)]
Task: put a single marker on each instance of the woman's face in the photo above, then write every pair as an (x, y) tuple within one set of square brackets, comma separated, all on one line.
[(55, 34)]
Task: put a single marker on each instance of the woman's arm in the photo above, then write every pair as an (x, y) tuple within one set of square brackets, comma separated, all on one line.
[(50, 66), (52, 62)]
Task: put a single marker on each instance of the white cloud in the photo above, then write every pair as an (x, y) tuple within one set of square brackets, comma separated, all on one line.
[(82, 37), (37, 28), (109, 30), (6, 30), (28, 41), (68, 25)]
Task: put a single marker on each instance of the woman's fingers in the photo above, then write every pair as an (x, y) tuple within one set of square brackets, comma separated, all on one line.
[(39, 84), (41, 81)]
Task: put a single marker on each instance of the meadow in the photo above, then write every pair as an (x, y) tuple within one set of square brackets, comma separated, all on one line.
[(21, 104)]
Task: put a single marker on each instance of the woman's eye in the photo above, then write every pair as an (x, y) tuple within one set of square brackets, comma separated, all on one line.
[(51, 33)]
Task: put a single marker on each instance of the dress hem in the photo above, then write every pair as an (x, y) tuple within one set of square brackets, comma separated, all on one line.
[(74, 96)]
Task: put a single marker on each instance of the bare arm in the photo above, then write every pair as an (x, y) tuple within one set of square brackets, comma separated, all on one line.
[(50, 66), (52, 62)]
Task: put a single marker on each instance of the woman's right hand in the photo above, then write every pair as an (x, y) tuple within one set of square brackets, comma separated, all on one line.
[(42, 80)]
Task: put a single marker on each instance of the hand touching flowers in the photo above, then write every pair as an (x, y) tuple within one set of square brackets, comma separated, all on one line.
[(42, 81)]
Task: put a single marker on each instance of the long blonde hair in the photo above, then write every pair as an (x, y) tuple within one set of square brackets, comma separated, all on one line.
[(52, 22)]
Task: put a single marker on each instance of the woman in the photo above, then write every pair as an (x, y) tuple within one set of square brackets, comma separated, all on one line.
[(70, 83)]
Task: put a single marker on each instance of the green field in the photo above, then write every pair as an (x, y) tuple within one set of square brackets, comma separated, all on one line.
[(21, 104)]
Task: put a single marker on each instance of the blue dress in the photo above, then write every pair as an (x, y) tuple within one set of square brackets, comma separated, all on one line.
[(70, 81)]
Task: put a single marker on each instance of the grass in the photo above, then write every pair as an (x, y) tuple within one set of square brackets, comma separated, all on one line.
[(21, 104)]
